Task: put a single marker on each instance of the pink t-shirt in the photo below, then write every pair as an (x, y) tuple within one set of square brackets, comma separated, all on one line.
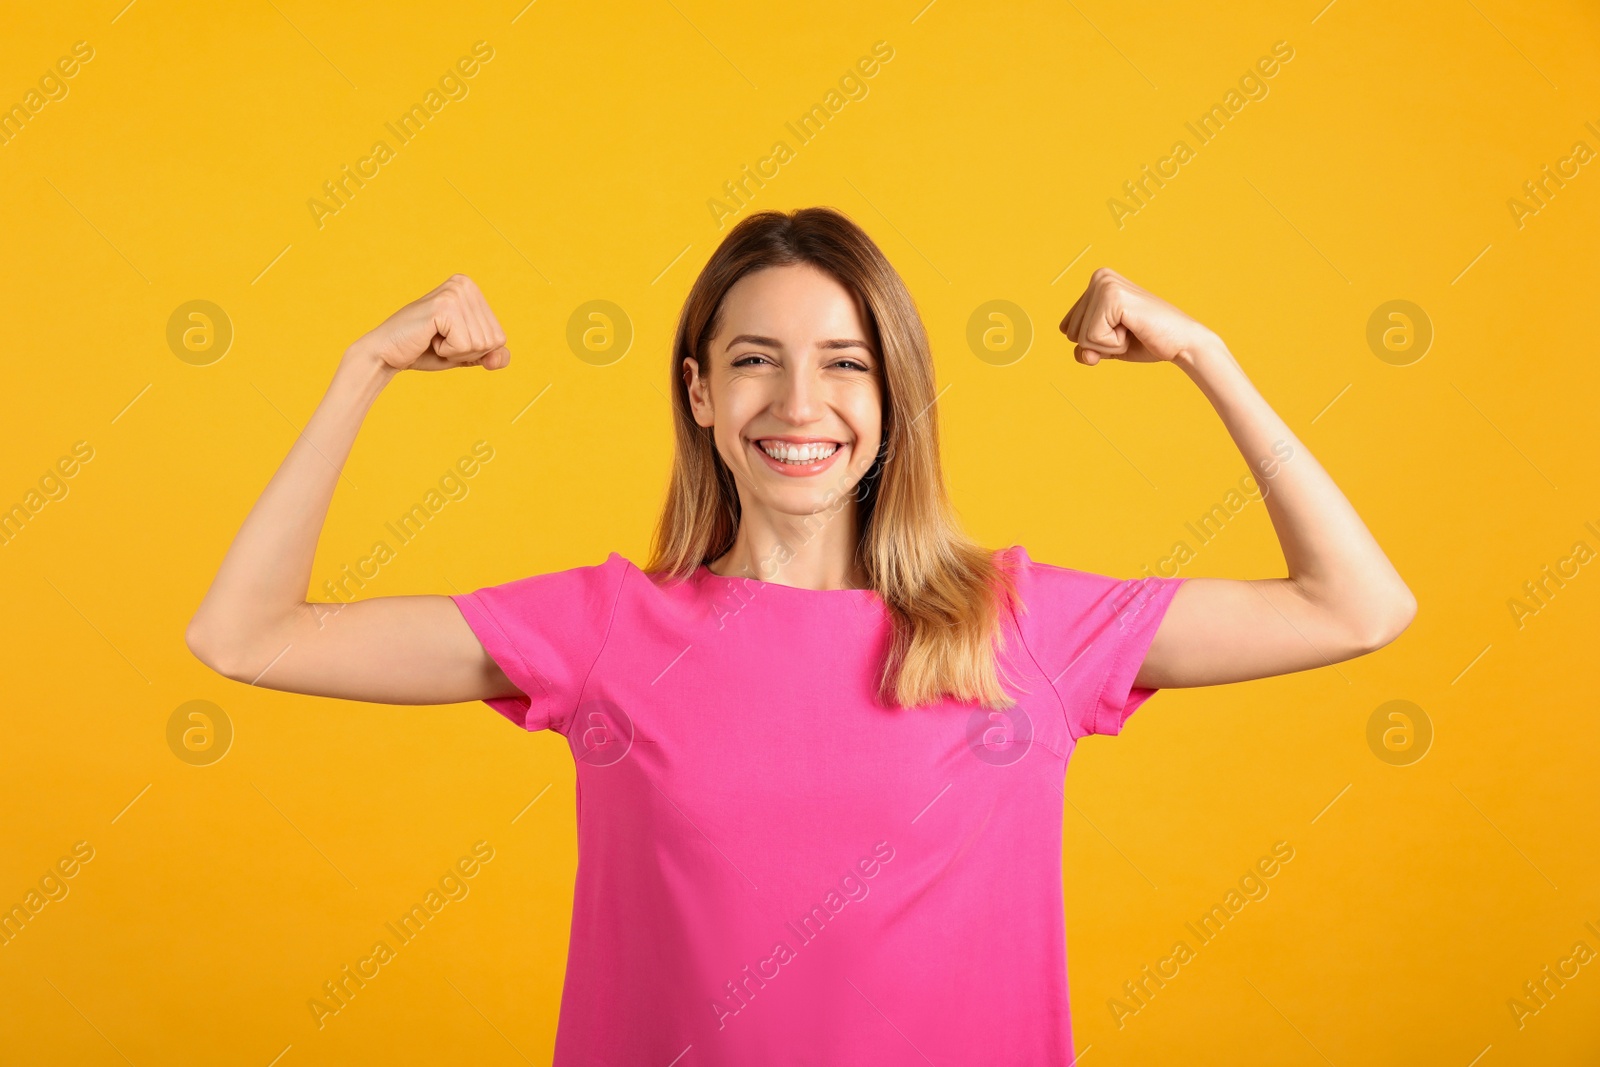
[(775, 869)]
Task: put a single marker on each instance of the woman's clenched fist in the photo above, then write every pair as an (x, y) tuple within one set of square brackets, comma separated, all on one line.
[(449, 327), (1115, 319)]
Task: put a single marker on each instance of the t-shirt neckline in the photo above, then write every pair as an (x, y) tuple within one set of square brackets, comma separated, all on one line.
[(703, 571)]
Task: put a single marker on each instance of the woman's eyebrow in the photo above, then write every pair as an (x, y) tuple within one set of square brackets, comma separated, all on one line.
[(756, 339), (773, 342)]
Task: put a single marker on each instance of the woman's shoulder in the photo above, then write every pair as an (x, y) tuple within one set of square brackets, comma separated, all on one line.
[(1037, 579), (1022, 565), (636, 585), (1019, 559), (611, 568), (620, 574)]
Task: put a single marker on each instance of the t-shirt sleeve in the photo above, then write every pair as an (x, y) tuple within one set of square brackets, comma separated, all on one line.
[(546, 632), (1089, 633)]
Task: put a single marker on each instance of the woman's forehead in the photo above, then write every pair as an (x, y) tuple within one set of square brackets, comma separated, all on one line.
[(792, 307)]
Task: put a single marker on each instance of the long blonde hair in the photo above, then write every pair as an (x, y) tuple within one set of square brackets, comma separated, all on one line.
[(946, 595)]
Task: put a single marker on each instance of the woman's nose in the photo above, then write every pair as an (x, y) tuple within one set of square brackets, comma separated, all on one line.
[(801, 399)]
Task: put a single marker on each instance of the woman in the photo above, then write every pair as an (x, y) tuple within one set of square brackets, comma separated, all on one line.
[(820, 739)]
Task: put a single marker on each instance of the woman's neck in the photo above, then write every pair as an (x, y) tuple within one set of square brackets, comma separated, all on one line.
[(805, 551)]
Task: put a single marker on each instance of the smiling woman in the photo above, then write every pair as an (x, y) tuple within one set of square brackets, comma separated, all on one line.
[(799, 365), (886, 680)]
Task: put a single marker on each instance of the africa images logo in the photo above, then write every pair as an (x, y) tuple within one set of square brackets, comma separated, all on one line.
[(601, 732), (1000, 737)]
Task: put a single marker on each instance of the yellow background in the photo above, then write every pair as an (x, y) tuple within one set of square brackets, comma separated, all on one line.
[(1378, 168)]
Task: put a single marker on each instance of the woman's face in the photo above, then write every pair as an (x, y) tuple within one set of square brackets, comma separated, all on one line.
[(792, 390)]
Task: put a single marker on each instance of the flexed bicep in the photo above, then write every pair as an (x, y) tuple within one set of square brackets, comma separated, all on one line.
[(1219, 630)]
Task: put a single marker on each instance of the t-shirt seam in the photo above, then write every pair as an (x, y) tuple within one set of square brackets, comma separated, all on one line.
[(1022, 637), (1066, 718), (482, 605), (1123, 646), (605, 640), (1112, 663), (1105, 680)]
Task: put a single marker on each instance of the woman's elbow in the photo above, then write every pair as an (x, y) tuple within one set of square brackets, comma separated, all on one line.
[(1391, 622), (202, 641)]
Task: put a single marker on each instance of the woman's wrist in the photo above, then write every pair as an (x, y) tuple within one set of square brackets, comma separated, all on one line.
[(364, 372), (1204, 359)]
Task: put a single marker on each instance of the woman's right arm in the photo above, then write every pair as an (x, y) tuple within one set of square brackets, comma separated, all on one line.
[(256, 626)]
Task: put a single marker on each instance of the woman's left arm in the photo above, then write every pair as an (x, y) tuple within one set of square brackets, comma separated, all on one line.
[(1342, 598)]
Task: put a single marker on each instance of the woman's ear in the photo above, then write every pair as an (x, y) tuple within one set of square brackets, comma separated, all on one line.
[(699, 390)]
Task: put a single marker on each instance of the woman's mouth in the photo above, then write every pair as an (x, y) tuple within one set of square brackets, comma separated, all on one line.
[(797, 458)]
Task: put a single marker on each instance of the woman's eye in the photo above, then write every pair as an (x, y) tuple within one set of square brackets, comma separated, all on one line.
[(754, 358)]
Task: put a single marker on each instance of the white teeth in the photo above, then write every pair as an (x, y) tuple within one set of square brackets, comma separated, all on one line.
[(806, 453)]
